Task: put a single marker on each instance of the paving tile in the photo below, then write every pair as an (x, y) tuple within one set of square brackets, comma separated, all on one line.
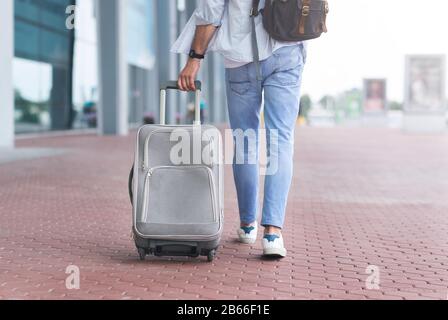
[(359, 197)]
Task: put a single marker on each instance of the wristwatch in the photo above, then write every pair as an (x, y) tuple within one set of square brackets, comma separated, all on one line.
[(195, 55)]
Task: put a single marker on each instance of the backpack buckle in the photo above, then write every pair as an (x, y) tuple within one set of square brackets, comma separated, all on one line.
[(305, 11), (253, 12)]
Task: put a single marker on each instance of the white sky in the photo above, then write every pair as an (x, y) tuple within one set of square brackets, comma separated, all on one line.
[(370, 38)]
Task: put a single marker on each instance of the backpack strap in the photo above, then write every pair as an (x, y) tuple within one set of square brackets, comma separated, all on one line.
[(306, 6), (324, 17), (254, 14), (255, 7)]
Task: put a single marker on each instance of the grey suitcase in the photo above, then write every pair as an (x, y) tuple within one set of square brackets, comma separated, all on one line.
[(178, 206)]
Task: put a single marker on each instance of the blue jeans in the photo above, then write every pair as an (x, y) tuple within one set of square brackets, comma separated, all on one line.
[(281, 83)]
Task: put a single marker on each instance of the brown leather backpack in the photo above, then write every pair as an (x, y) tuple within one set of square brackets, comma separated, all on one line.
[(294, 20), (289, 21)]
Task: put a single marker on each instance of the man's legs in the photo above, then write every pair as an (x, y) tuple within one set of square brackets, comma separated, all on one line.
[(244, 104), (282, 103)]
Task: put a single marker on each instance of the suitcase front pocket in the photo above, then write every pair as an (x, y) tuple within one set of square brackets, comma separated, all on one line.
[(176, 195)]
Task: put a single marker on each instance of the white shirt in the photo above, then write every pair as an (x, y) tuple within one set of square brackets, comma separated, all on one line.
[(233, 38)]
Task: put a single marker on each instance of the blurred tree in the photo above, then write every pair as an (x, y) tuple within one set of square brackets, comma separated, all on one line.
[(305, 105), (352, 103), (29, 111), (394, 105), (327, 102)]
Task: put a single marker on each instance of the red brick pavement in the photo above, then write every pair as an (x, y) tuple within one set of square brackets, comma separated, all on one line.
[(360, 197)]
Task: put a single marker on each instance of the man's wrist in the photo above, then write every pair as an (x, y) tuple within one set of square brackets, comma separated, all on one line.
[(196, 55), (194, 60)]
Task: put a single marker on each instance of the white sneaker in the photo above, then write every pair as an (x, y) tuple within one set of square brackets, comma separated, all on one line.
[(273, 246), (247, 235)]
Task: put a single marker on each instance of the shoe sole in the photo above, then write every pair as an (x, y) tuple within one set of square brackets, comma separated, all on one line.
[(275, 253), (247, 241)]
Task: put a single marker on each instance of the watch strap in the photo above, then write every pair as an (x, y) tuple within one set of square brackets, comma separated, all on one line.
[(195, 55)]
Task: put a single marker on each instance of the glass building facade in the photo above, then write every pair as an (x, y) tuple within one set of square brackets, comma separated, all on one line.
[(55, 66), (42, 65)]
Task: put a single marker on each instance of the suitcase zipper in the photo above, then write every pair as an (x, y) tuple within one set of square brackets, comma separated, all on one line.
[(145, 164), (150, 173)]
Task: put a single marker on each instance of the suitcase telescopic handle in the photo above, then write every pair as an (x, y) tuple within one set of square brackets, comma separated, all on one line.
[(172, 85)]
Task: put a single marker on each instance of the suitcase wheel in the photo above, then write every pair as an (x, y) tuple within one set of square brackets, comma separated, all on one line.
[(142, 254), (211, 255)]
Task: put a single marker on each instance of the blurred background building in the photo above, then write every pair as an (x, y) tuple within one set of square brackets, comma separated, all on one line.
[(65, 59), (101, 69)]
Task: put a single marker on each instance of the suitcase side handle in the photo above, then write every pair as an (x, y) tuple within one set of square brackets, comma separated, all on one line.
[(130, 185), (176, 249), (172, 85)]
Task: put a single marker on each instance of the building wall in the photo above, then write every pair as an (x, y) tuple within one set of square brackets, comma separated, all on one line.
[(85, 64), (6, 87)]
